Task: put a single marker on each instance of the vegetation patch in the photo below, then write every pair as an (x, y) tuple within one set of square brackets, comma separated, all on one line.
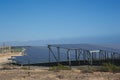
[(17, 49), (86, 69), (109, 67), (59, 67), (106, 67), (25, 68)]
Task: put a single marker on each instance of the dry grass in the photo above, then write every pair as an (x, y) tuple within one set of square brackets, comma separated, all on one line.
[(38, 74)]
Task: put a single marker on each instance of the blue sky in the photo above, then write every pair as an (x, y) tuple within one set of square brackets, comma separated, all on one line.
[(24, 20)]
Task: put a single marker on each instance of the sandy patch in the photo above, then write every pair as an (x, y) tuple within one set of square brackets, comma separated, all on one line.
[(4, 57)]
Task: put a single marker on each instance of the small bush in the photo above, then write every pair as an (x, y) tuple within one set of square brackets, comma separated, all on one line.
[(86, 69), (108, 67), (59, 67), (25, 68)]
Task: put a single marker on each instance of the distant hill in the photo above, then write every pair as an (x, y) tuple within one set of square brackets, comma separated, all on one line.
[(106, 41), (116, 46)]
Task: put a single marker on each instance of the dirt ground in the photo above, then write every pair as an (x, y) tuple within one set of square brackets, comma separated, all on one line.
[(42, 74), (4, 57)]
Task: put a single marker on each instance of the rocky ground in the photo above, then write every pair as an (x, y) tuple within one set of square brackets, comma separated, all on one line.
[(41, 74)]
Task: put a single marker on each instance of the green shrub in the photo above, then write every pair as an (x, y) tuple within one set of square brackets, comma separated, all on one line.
[(59, 67), (86, 69), (25, 68), (108, 67)]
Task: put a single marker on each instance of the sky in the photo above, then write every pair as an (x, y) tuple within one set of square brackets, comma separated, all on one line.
[(25, 20)]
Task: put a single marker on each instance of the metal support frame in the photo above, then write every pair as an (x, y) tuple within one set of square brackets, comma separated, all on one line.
[(85, 54), (76, 55), (58, 51), (50, 51), (69, 58)]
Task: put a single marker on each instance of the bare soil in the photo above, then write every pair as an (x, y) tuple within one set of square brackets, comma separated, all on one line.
[(41, 74)]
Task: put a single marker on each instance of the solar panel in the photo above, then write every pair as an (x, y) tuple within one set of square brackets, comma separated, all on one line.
[(86, 47)]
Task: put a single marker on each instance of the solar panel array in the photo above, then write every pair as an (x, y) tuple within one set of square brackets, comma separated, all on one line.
[(85, 47)]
